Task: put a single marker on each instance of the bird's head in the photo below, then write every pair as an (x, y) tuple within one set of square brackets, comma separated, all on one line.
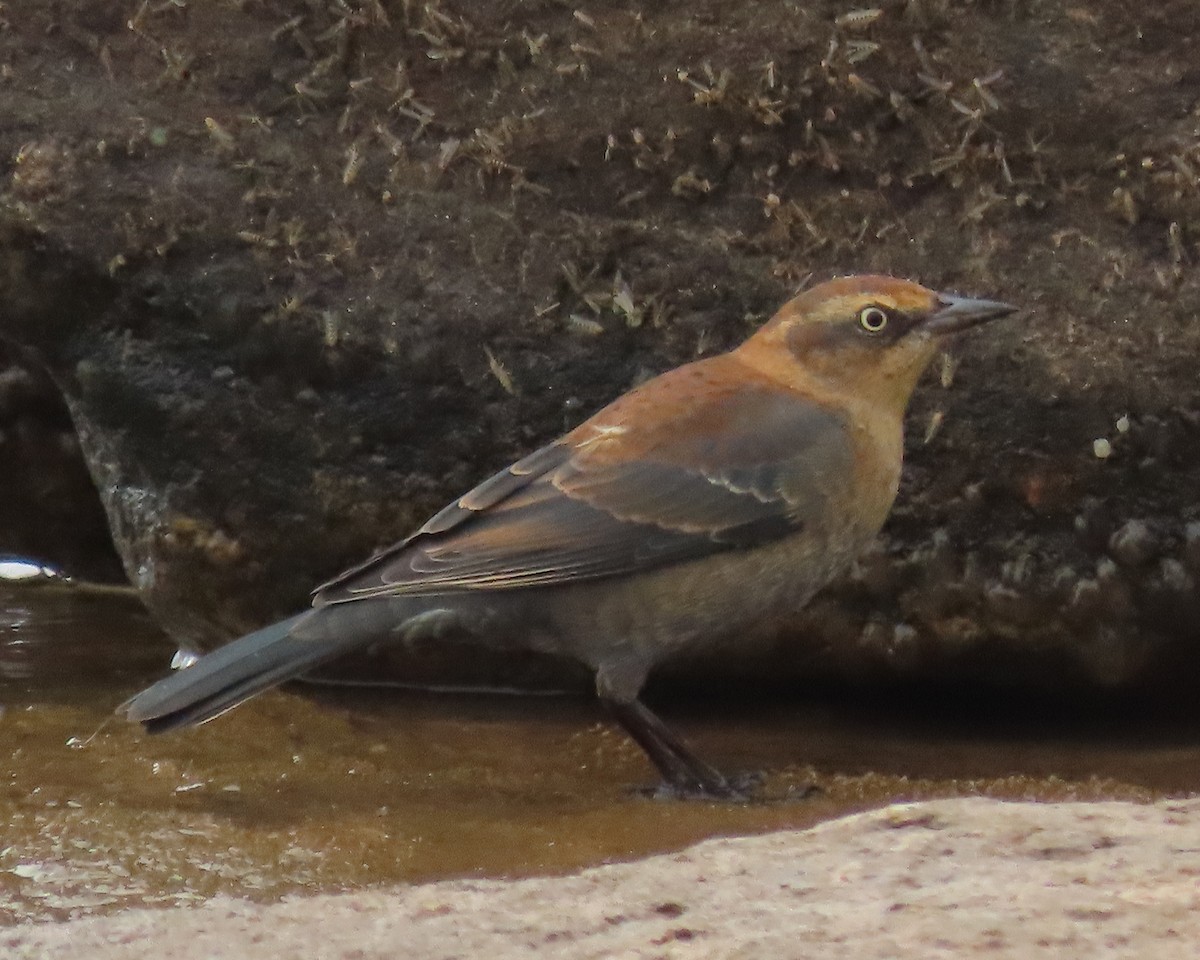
[(863, 336)]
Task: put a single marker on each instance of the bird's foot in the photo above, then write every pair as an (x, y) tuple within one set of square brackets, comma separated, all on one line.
[(749, 787), (711, 788)]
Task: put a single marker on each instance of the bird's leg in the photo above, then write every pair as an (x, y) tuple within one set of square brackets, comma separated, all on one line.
[(685, 774)]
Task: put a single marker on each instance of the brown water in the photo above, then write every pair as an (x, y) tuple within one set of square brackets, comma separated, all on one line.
[(295, 794)]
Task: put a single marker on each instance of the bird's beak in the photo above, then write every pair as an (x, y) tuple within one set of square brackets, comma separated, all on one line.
[(957, 313)]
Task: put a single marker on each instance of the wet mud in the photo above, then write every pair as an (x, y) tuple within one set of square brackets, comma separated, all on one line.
[(345, 788)]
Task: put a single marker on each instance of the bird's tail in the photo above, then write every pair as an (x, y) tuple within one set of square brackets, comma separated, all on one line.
[(221, 680)]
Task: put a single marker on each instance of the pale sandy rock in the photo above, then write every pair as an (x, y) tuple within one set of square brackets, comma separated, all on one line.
[(949, 878)]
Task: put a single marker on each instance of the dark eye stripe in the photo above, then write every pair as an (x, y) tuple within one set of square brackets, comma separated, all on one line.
[(834, 334), (898, 324)]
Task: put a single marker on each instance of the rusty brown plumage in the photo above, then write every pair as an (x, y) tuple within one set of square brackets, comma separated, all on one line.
[(699, 506)]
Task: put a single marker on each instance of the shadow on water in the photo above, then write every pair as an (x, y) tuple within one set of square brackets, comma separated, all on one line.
[(343, 788)]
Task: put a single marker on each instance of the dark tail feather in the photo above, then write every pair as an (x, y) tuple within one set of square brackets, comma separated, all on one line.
[(221, 680)]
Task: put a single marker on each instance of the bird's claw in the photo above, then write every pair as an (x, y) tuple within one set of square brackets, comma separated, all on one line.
[(742, 789)]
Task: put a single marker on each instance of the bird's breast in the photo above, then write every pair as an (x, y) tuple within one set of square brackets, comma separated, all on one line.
[(878, 453)]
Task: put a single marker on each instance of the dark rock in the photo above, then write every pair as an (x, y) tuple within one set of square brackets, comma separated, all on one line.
[(1063, 582), (1175, 579), (1087, 599), (1008, 605), (1134, 544), (1191, 546), (304, 290), (1116, 594), (17, 387), (48, 505), (1113, 659)]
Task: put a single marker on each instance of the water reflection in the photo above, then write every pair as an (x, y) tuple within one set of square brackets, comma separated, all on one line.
[(15, 652), (348, 788), (64, 639)]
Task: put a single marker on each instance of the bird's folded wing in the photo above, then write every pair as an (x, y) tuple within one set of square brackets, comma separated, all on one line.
[(731, 471)]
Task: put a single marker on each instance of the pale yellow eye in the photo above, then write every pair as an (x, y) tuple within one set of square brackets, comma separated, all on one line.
[(873, 319)]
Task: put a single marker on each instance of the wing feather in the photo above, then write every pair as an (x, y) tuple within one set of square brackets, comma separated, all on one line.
[(732, 471)]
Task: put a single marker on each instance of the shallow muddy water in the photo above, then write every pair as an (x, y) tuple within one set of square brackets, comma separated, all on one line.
[(346, 788)]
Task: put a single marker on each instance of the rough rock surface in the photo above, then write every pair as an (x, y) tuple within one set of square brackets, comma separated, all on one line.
[(304, 270), (953, 878)]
